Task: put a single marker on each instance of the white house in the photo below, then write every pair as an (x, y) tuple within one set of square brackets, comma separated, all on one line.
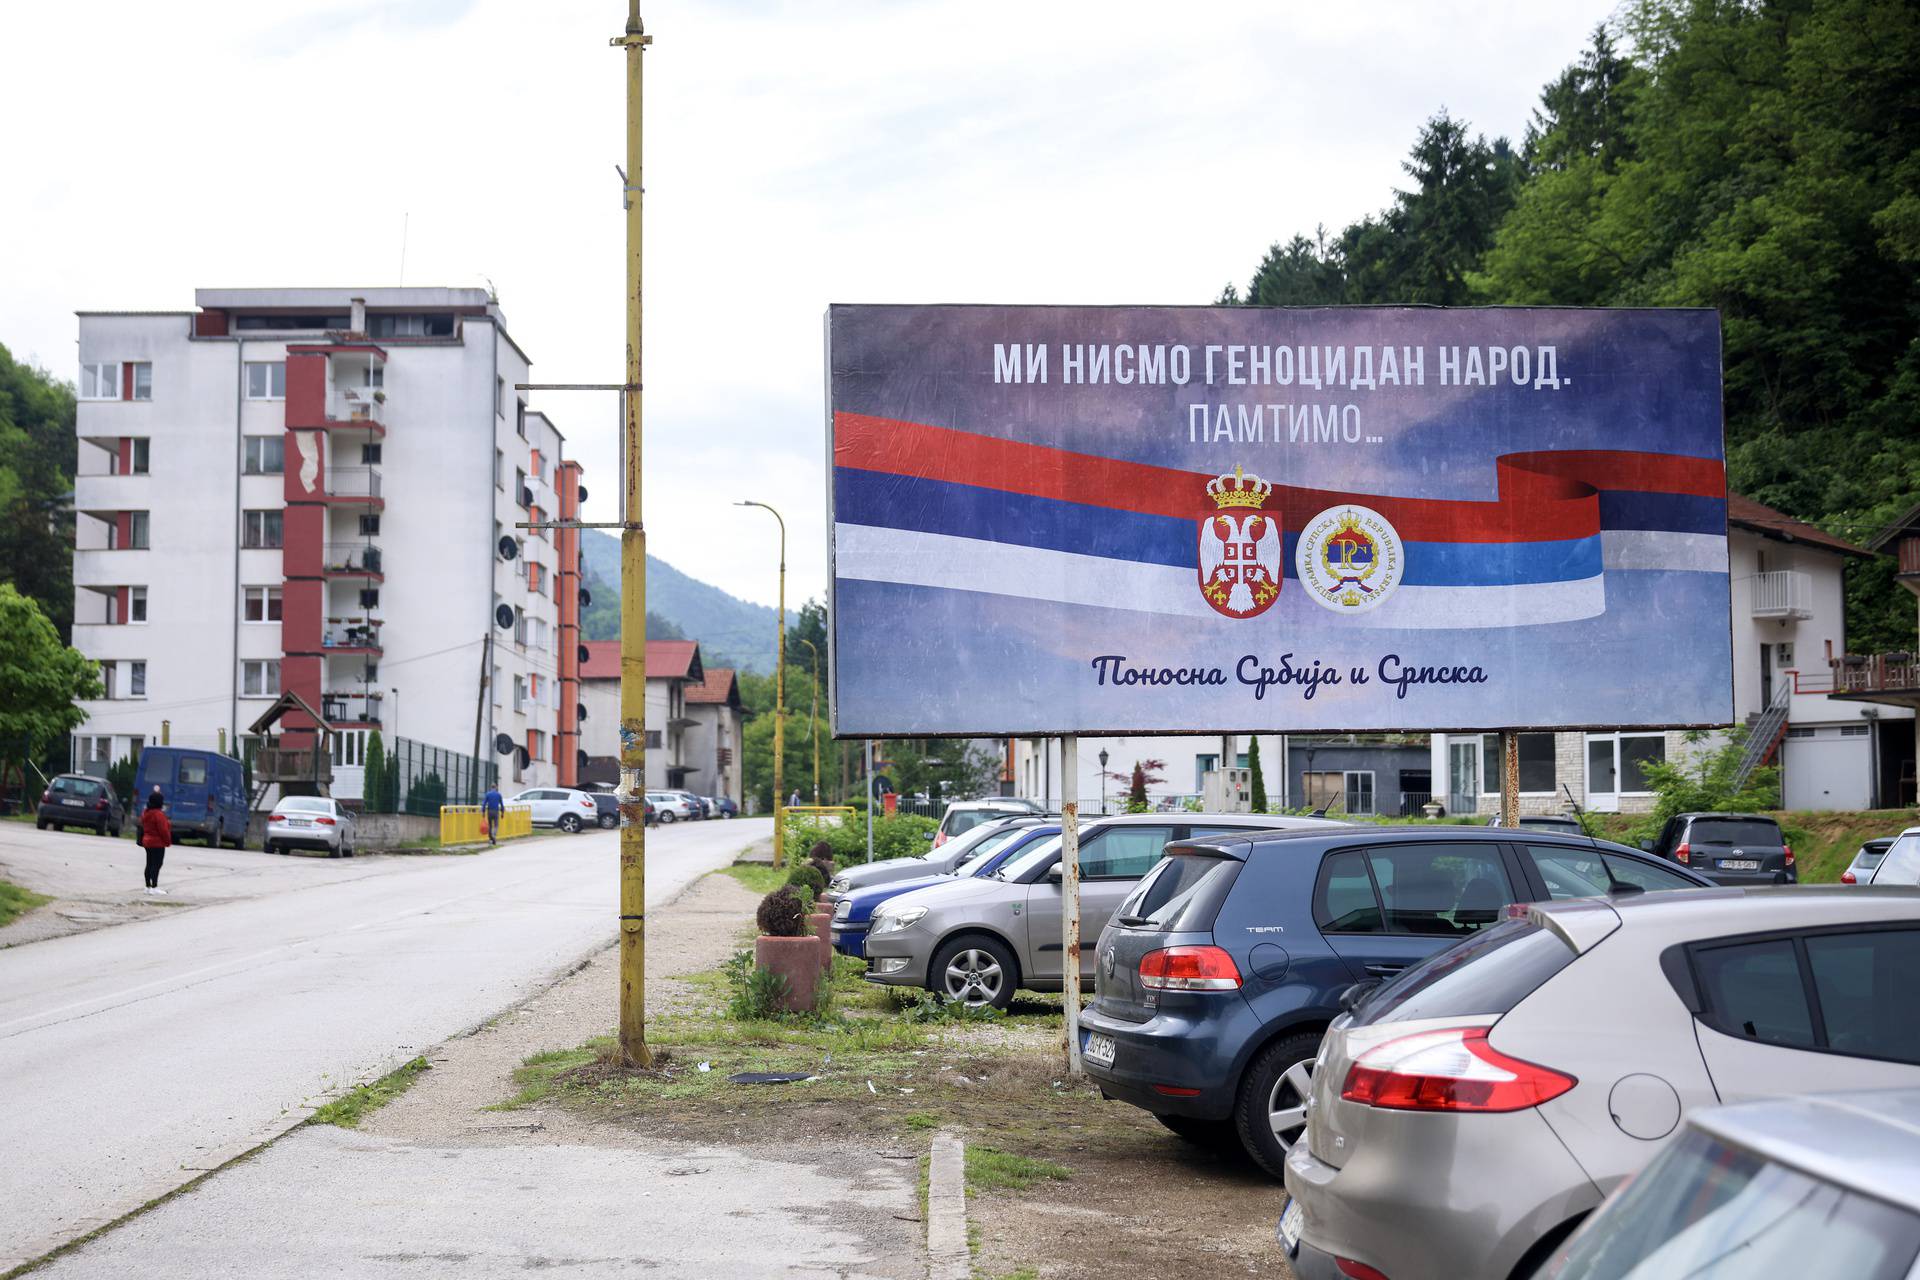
[(1789, 628), (674, 669), (314, 490)]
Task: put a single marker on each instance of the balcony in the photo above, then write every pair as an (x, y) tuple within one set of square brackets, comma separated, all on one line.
[(352, 709), (1892, 678), (1784, 593), (351, 635), (358, 407), (352, 560), (354, 485)]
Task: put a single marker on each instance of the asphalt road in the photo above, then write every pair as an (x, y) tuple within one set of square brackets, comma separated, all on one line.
[(140, 1055)]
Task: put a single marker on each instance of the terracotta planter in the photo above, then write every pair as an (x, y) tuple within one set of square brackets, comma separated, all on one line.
[(822, 923), (795, 959)]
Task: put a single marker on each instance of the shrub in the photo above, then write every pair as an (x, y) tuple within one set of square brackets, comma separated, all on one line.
[(782, 914), (1702, 781), (808, 875), (900, 835), (821, 852), (757, 995), (826, 868)]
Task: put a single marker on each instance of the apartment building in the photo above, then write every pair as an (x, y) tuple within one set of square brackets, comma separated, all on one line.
[(315, 491)]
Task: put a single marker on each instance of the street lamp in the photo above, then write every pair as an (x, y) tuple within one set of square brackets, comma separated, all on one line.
[(779, 697), (814, 715), (1103, 781)]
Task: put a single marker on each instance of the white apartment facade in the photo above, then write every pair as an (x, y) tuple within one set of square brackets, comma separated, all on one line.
[(314, 490)]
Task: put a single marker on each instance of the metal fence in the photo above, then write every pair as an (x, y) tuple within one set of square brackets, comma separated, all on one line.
[(420, 779)]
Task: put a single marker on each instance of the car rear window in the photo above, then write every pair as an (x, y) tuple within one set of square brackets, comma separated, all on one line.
[(306, 804), (1735, 831), (77, 786), (960, 821), (1489, 974), (1182, 894)]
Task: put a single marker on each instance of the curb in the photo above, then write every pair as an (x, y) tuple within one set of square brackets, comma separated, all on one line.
[(948, 1255)]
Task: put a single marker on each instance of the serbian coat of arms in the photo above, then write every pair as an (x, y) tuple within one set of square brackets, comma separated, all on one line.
[(1239, 547)]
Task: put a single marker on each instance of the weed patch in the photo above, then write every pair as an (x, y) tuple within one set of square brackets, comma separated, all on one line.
[(348, 1110), (989, 1169), (15, 901), (761, 877)]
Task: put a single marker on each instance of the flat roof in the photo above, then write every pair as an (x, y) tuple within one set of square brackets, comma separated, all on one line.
[(277, 299)]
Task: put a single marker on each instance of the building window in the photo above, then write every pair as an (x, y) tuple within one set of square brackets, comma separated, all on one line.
[(1800, 731), (260, 679), (1359, 791), (142, 380), (1853, 731), (415, 325), (100, 381), (519, 693), (369, 597), (370, 525), (536, 578), (139, 527), (136, 679), (131, 458), (1617, 762), (263, 530), (136, 604), (499, 397), (109, 680), (653, 739), (262, 604), (520, 488), (499, 469), (536, 745), (264, 455), (266, 380), (520, 418), (1538, 775), (369, 455), (519, 625)]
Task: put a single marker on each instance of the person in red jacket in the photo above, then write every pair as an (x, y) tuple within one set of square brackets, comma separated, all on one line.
[(156, 834)]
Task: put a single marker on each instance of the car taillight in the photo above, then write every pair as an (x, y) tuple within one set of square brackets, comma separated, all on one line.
[(46, 797), (328, 821), (1789, 849), (100, 805), (586, 804), (1358, 1270), (1846, 877), (1453, 1069), (1683, 853), (1189, 969)]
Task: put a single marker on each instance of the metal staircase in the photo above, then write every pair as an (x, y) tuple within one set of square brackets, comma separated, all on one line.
[(1765, 732)]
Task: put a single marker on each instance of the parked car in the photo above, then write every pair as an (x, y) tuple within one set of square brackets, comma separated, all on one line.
[(937, 863), (700, 810), (1727, 848), (998, 844), (673, 806), (206, 792), (1827, 1183), (310, 822), (609, 807), (80, 800), (980, 939), (728, 809), (1867, 860), (1467, 1116), (963, 815), (1284, 924), (1544, 822), (561, 807)]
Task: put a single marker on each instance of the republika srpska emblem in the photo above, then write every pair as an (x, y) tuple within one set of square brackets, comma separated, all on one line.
[(1349, 559), (1239, 547)]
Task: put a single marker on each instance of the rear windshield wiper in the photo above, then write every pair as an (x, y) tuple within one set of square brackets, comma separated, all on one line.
[(1131, 921)]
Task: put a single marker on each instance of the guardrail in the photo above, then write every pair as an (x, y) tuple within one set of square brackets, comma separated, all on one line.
[(466, 823)]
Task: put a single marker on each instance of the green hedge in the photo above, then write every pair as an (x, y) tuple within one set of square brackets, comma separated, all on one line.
[(899, 836)]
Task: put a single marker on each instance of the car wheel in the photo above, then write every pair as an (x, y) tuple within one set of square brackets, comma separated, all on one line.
[(975, 971), (40, 824), (609, 821), (667, 816), (570, 823), (1271, 1113), (114, 831), (1214, 1134)]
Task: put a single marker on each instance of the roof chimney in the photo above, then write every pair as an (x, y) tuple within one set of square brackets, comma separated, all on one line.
[(359, 322)]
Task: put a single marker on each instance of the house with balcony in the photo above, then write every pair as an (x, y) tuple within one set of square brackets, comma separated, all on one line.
[(674, 670), (1888, 684), (1789, 639), (713, 740)]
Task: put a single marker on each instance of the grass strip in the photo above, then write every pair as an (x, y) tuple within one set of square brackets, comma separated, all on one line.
[(989, 1169), (15, 902), (348, 1110)]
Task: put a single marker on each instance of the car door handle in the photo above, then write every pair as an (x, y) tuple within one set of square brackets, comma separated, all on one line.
[(1384, 970)]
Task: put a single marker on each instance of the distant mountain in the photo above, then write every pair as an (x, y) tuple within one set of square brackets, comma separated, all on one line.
[(732, 632)]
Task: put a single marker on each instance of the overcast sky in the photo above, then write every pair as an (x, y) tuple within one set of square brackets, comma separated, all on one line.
[(798, 154)]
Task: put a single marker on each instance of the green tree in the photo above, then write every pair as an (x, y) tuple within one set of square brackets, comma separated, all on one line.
[(37, 446), (1259, 799), (1703, 780), (41, 680), (1137, 789), (374, 776)]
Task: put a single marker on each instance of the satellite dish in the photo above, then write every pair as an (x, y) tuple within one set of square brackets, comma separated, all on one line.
[(583, 493), (581, 756), (503, 617), (579, 711), (584, 655), (502, 743), (508, 548), (586, 597), (525, 759), (526, 496)]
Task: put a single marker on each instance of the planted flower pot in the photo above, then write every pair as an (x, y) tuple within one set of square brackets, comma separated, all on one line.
[(798, 961), (822, 925)]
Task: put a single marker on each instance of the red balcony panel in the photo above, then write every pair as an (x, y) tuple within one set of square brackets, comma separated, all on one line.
[(306, 392), (303, 540), (302, 675), (303, 612)]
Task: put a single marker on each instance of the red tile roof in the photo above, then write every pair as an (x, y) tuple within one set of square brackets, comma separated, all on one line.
[(720, 686), (1745, 513), (666, 660)]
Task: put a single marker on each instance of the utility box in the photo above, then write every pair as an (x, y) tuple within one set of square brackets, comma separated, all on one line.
[(1227, 791)]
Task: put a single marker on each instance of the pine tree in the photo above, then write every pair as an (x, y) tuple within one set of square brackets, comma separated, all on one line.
[(374, 776), (1137, 790), (1259, 779)]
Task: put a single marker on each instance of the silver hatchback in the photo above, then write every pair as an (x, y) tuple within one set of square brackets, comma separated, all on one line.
[(1466, 1116), (979, 940)]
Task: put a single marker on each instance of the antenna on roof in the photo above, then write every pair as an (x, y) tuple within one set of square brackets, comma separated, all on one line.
[(405, 217)]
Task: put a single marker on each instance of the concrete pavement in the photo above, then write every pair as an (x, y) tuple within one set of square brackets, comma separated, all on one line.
[(139, 1056)]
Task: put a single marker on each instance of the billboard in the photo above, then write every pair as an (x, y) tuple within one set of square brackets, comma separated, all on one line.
[(1054, 520)]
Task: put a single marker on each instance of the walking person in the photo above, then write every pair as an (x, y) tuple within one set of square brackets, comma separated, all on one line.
[(156, 834), (491, 807), (793, 801)]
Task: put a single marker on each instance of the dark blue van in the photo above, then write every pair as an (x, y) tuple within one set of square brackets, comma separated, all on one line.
[(1218, 974), (206, 793)]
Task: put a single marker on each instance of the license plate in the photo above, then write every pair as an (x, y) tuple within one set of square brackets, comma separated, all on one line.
[(75, 803), (1739, 864), (1098, 1049), (299, 822), (1292, 1218)]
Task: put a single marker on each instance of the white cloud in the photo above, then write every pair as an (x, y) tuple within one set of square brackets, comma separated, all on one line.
[(798, 154)]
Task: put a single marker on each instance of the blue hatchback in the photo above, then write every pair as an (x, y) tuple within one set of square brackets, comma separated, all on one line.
[(853, 914), (1217, 976)]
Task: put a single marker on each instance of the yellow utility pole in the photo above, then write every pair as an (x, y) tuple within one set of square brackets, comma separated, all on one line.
[(779, 699), (815, 715), (633, 613)]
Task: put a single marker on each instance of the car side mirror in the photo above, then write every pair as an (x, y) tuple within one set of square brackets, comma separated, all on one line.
[(1354, 994), (1646, 846), (929, 835), (1056, 873)]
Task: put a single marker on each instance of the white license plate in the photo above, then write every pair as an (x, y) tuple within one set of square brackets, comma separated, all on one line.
[(1292, 1218), (1098, 1049), (299, 822), (75, 803), (1739, 864)]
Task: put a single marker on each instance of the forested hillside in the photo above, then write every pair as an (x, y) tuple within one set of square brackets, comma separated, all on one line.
[(1757, 156)]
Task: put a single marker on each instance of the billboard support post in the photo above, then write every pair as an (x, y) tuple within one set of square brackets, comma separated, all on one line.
[(870, 799), (1070, 895), (1509, 778)]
